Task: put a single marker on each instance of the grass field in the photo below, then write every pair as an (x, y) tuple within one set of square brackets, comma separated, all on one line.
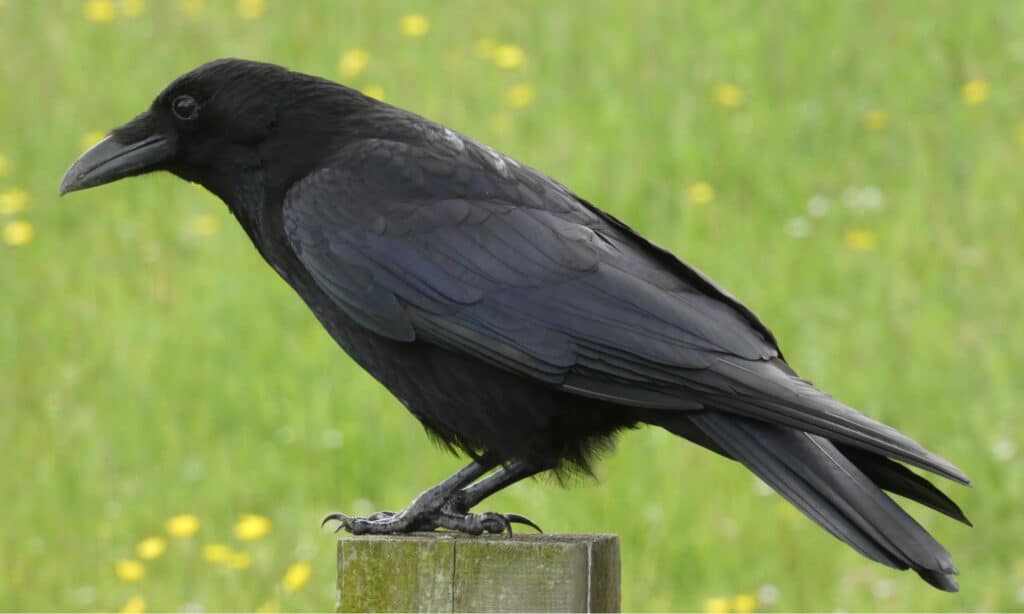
[(851, 170)]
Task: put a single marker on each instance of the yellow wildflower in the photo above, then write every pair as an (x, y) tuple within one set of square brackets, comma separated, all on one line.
[(414, 26), (875, 120), (151, 547), (250, 9), (4, 165), (240, 560), (182, 525), (129, 570), (975, 91), (217, 553), (374, 91), (484, 48), (99, 11), (858, 240), (18, 233), (700, 193), (133, 8), (502, 122), (353, 62), (508, 56), (91, 138), (192, 8), (728, 95), (135, 605), (716, 605), (519, 96), (251, 526), (13, 201), (269, 607), (296, 576), (744, 604), (202, 225)]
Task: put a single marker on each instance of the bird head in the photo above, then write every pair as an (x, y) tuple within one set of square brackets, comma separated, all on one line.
[(215, 125)]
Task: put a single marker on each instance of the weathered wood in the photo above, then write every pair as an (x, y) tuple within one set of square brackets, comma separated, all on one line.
[(445, 572)]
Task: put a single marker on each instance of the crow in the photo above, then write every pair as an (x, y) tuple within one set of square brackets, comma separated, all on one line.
[(518, 322)]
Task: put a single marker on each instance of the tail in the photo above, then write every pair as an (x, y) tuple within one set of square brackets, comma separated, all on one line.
[(840, 489)]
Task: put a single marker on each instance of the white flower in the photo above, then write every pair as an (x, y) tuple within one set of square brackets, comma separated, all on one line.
[(818, 205), (1004, 450), (798, 227), (768, 594)]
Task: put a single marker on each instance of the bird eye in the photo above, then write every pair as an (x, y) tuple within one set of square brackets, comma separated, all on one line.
[(185, 107)]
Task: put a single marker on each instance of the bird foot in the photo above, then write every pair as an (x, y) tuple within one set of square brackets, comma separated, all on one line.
[(385, 523)]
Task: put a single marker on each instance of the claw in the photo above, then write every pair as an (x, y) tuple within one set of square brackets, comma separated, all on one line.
[(343, 520), (518, 519)]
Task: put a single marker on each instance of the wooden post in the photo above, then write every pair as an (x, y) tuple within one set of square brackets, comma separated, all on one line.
[(447, 572)]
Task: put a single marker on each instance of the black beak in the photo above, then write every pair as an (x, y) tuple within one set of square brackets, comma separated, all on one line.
[(109, 161)]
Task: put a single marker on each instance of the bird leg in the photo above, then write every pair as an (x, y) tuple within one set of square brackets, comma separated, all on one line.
[(446, 506), (418, 515)]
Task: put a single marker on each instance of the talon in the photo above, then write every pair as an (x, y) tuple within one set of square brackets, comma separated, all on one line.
[(495, 523), (521, 520), (342, 519)]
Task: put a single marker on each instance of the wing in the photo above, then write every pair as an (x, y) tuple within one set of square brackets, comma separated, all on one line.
[(450, 243)]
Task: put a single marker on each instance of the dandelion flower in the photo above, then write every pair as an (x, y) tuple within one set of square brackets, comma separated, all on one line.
[(91, 138), (716, 605), (13, 200), (876, 120), (508, 56), (151, 547), (744, 604), (484, 48), (129, 570), (520, 96), (217, 553), (18, 233), (296, 576), (192, 8), (5, 165), (240, 560), (99, 11), (135, 605), (250, 9), (251, 526), (859, 240), (728, 95), (414, 26), (700, 193), (975, 91), (133, 8), (202, 225), (182, 525), (353, 62), (374, 91)]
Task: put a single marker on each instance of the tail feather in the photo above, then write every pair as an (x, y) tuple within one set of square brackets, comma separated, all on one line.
[(816, 477), (897, 479)]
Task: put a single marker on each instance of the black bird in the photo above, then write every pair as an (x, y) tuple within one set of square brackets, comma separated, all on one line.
[(518, 322)]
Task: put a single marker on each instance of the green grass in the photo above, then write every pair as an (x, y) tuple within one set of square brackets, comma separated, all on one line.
[(147, 372)]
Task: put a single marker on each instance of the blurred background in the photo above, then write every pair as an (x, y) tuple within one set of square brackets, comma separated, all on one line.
[(173, 422)]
